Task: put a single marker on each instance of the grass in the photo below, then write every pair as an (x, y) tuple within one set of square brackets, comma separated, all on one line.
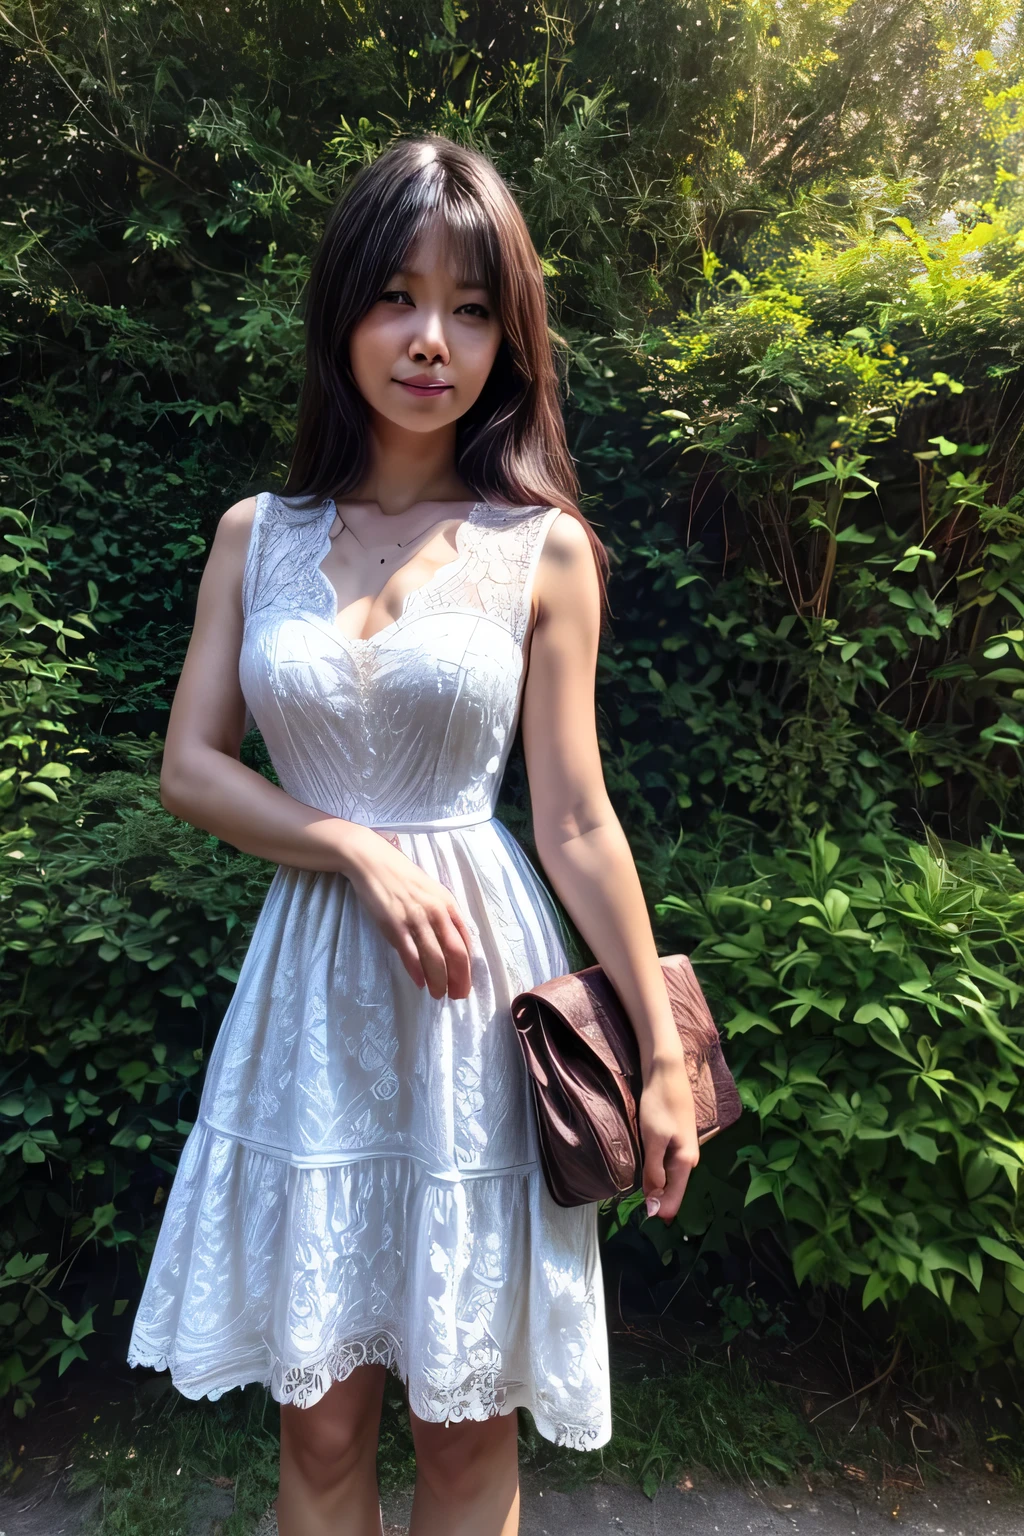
[(722, 1419), (712, 1418), (154, 1471)]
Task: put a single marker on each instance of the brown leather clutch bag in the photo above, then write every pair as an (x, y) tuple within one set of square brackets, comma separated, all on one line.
[(583, 1059)]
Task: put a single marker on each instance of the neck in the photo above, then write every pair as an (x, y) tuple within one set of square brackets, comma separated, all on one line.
[(406, 468)]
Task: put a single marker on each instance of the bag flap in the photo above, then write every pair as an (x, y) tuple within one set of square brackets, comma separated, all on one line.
[(587, 1004)]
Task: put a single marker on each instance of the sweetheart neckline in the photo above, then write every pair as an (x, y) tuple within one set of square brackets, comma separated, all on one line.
[(407, 620), (461, 556)]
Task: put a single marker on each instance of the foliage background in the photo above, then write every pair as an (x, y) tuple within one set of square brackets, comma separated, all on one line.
[(785, 250)]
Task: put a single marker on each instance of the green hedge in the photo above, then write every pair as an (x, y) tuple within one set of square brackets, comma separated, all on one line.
[(871, 993), (794, 396)]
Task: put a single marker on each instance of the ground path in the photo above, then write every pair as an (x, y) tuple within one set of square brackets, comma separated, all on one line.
[(966, 1509)]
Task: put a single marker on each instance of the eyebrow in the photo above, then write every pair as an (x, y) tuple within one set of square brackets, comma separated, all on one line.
[(408, 272)]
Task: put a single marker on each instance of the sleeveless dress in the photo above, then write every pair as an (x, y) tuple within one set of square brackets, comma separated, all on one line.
[(363, 1182)]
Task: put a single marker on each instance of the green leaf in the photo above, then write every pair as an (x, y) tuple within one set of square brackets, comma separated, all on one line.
[(925, 1147), (876, 1289), (837, 904), (999, 1250), (53, 771), (73, 1352), (828, 474), (20, 1267), (743, 1019), (806, 1258), (34, 787), (760, 1185), (853, 535)]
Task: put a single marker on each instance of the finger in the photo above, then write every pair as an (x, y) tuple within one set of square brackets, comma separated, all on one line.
[(432, 958), (654, 1175), (679, 1169), (468, 936), (410, 957), (456, 954)]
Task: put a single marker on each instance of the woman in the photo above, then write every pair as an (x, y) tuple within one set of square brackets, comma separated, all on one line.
[(362, 1188)]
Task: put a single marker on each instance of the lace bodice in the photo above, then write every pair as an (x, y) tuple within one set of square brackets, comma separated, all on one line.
[(414, 723)]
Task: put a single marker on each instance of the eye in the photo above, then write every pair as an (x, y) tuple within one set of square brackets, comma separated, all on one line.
[(391, 294)]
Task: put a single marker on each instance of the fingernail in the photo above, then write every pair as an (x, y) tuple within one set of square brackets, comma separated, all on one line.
[(653, 1205)]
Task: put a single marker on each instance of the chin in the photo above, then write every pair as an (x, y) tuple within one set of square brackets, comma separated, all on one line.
[(423, 421)]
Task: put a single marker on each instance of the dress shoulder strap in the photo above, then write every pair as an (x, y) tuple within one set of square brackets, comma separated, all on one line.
[(285, 546), (503, 549)]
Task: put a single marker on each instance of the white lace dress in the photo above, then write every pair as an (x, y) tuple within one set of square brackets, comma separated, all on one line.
[(362, 1183)]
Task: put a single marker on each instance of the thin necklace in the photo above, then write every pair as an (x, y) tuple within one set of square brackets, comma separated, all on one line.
[(398, 544)]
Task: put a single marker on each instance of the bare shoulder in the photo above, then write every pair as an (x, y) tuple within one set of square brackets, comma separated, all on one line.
[(226, 559), (567, 583), (566, 544), (235, 525)]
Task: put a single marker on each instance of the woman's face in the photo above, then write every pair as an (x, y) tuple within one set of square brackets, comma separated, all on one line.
[(423, 351)]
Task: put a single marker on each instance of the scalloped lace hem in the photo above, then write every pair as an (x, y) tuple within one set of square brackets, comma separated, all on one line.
[(479, 1395)]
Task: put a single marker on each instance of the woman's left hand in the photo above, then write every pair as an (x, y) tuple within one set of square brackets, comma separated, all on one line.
[(668, 1134)]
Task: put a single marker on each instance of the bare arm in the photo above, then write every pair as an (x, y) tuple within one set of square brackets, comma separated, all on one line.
[(204, 782), (584, 850), (202, 779)]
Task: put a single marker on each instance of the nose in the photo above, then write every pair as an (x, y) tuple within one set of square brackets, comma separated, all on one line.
[(428, 343)]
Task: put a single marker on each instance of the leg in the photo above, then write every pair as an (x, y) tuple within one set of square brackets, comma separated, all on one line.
[(467, 1477), (329, 1460)]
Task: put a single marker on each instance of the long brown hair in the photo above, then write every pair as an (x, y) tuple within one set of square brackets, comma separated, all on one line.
[(511, 444)]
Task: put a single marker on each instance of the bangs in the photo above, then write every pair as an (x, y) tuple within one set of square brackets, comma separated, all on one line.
[(468, 237)]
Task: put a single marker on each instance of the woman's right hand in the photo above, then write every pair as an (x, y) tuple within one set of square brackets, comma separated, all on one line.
[(415, 912)]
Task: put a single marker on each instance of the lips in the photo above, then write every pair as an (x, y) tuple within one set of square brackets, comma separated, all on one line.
[(423, 389)]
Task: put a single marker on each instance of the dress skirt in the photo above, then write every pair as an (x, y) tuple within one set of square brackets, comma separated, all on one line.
[(363, 1185)]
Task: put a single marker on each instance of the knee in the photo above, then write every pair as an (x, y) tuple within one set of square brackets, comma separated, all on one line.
[(327, 1443), (324, 1454), (463, 1461)]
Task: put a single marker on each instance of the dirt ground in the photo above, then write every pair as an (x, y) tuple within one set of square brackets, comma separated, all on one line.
[(966, 1509)]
